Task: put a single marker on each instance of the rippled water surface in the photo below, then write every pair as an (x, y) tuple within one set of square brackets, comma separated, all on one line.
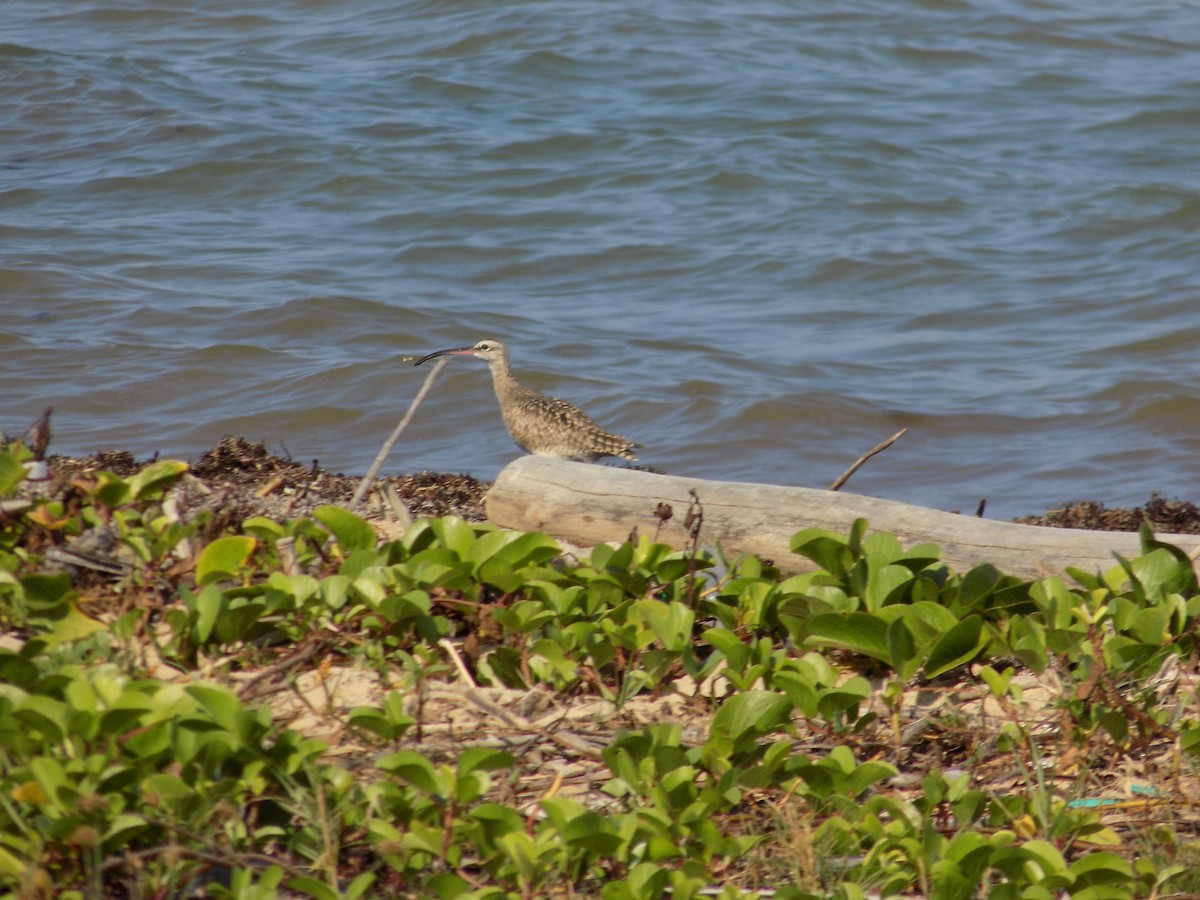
[(758, 238)]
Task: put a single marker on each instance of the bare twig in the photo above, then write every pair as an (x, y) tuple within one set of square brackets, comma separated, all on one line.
[(395, 506), (218, 860), (248, 687), (879, 448), (693, 522), (463, 672), (395, 435), (285, 549)]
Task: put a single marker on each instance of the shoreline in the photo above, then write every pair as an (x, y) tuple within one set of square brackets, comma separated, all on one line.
[(241, 478)]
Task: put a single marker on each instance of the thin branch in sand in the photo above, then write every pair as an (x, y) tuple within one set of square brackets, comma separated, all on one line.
[(879, 448), (395, 435), (463, 672)]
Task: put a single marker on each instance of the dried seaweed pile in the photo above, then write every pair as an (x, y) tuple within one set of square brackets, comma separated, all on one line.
[(239, 479)]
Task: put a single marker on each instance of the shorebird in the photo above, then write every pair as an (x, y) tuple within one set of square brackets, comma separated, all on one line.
[(542, 425)]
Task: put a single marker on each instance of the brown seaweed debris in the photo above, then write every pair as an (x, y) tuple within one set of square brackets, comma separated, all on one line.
[(1165, 516), (238, 479)]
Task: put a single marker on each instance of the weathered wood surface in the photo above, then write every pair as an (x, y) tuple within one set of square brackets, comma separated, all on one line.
[(587, 504)]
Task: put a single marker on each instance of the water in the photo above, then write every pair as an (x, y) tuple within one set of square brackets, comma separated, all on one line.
[(757, 238)]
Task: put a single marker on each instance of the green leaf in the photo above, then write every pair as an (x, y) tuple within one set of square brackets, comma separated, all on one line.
[(263, 528), (646, 879), (370, 589), (122, 830), (948, 882), (411, 767), (1045, 856), (926, 620), (74, 625), (1189, 741), (1181, 578), (753, 713), (227, 710), (313, 888), (868, 774), (977, 584), (223, 558), (52, 778), (11, 867), (1101, 867), (448, 886), (1160, 572), (300, 587), (207, 607), (671, 622), (483, 759), (496, 818), (454, 534), (729, 645), (846, 696), (335, 589), (856, 535), (44, 592), (515, 548), (16, 671), (561, 811), (12, 472), (45, 716), (111, 490), (957, 646), (237, 618), (861, 632), (154, 478), (827, 549), (351, 532), (997, 682), (388, 722), (359, 886), (518, 847), (498, 572), (902, 650), (886, 584), (801, 691)]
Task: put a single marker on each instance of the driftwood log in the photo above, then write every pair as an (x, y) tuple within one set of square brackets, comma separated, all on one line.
[(588, 504)]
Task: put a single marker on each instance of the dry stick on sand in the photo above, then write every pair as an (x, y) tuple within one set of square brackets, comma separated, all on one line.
[(365, 484), (879, 448)]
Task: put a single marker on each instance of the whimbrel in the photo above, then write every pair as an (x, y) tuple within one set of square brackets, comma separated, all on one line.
[(542, 425)]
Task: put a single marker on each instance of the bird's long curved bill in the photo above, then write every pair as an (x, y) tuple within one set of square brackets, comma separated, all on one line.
[(454, 351)]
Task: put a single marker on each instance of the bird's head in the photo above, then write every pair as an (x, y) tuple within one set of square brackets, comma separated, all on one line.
[(489, 349)]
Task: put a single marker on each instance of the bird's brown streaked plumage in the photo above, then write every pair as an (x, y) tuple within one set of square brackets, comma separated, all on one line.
[(542, 425)]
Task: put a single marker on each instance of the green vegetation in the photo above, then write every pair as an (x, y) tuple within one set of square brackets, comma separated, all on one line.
[(879, 725)]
